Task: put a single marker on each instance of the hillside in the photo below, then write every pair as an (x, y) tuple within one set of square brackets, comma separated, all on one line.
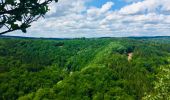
[(85, 69)]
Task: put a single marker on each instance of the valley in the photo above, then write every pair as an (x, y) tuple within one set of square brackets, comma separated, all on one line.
[(84, 69)]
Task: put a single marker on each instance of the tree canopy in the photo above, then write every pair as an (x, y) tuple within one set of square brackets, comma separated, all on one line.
[(19, 14), (84, 69)]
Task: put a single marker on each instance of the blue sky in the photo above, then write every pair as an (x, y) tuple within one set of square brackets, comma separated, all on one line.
[(103, 18), (117, 3)]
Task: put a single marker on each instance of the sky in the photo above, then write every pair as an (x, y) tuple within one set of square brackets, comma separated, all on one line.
[(102, 18)]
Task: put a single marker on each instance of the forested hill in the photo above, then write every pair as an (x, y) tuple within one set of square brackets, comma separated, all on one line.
[(85, 69)]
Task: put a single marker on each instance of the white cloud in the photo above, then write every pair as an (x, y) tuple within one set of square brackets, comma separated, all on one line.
[(76, 19), (64, 7), (141, 7), (146, 6), (106, 7), (93, 12), (131, 0)]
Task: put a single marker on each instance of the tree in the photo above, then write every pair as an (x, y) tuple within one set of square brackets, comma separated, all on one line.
[(162, 85), (19, 14)]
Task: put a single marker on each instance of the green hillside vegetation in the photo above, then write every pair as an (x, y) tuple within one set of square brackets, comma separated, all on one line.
[(85, 69)]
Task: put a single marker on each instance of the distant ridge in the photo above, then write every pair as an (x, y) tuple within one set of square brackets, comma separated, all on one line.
[(134, 37), (20, 37), (144, 37)]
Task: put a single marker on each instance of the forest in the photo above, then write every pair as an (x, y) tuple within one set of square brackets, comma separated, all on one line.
[(85, 69)]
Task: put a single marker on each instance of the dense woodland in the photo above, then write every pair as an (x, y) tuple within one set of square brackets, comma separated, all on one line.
[(85, 69)]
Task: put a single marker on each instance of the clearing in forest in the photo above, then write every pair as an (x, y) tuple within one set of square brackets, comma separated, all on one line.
[(130, 56)]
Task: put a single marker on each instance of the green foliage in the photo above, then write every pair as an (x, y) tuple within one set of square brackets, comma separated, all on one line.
[(161, 86), (21, 13), (89, 83), (84, 69)]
